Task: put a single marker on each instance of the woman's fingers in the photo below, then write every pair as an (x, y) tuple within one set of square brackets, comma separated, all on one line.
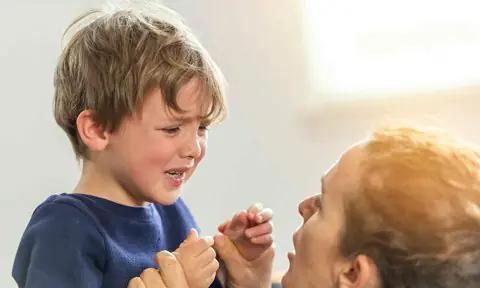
[(255, 231)]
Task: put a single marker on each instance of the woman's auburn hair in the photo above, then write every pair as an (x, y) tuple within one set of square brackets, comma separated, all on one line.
[(417, 211)]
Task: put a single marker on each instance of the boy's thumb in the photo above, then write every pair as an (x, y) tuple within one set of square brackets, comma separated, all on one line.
[(192, 236)]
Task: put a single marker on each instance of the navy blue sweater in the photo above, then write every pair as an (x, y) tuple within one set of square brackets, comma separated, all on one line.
[(76, 240)]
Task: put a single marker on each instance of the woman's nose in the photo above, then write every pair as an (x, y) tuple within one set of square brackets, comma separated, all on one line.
[(304, 209)]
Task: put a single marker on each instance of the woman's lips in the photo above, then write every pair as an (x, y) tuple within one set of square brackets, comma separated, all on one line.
[(291, 256)]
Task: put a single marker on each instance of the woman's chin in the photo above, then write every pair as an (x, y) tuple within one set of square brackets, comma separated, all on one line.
[(287, 277), (286, 280)]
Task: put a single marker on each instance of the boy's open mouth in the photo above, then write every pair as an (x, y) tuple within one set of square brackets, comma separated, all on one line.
[(176, 173)]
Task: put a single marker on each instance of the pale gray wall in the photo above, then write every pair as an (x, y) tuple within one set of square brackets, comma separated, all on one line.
[(271, 149)]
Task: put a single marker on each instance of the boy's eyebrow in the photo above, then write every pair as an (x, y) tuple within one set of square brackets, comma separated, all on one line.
[(190, 119)]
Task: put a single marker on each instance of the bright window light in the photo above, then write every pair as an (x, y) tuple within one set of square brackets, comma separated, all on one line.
[(373, 48)]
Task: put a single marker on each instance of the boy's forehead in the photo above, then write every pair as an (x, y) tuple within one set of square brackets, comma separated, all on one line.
[(187, 104), (197, 112)]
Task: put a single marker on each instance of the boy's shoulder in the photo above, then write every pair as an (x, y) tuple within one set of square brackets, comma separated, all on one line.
[(61, 207), (56, 200), (62, 212), (59, 228)]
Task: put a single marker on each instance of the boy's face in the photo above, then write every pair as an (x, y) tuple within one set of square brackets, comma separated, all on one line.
[(153, 153)]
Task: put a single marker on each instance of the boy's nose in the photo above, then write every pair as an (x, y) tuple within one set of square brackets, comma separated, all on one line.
[(192, 147)]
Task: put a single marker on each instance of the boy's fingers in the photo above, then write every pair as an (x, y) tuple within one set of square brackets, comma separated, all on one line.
[(264, 228), (264, 240), (196, 248), (136, 283), (206, 257), (171, 271), (212, 267), (208, 274), (201, 245), (151, 278), (210, 280), (191, 237)]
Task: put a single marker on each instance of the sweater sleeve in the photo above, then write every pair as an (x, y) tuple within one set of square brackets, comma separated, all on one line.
[(61, 247)]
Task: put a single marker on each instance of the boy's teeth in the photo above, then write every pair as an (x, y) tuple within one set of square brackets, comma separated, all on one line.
[(174, 173)]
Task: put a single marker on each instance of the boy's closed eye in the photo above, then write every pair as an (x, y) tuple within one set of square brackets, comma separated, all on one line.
[(170, 130), (175, 127)]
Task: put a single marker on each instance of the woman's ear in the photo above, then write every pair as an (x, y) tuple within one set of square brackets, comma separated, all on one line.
[(92, 133), (361, 272)]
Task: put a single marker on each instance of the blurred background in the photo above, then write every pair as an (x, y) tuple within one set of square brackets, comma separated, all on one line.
[(306, 80)]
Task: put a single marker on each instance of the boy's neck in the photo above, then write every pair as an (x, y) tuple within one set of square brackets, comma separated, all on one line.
[(97, 182)]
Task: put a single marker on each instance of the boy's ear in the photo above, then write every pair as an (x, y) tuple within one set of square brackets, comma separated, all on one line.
[(91, 133), (361, 272)]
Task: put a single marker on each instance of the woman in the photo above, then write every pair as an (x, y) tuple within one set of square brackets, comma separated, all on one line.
[(400, 210)]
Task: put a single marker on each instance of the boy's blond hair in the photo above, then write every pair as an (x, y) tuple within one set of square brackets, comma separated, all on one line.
[(113, 59)]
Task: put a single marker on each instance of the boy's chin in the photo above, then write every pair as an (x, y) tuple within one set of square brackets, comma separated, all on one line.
[(167, 197)]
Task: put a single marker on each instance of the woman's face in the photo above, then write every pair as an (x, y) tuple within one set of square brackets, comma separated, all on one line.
[(317, 261)]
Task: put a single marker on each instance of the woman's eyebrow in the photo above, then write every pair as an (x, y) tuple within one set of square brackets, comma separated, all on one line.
[(323, 185)]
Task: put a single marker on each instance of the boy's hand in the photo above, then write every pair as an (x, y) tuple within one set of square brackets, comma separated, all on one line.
[(169, 275), (250, 231), (239, 272), (197, 259)]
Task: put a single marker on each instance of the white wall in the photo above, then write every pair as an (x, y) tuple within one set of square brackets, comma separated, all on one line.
[(35, 158), (273, 147)]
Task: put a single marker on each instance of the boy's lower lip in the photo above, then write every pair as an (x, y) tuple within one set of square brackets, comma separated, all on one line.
[(176, 181)]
